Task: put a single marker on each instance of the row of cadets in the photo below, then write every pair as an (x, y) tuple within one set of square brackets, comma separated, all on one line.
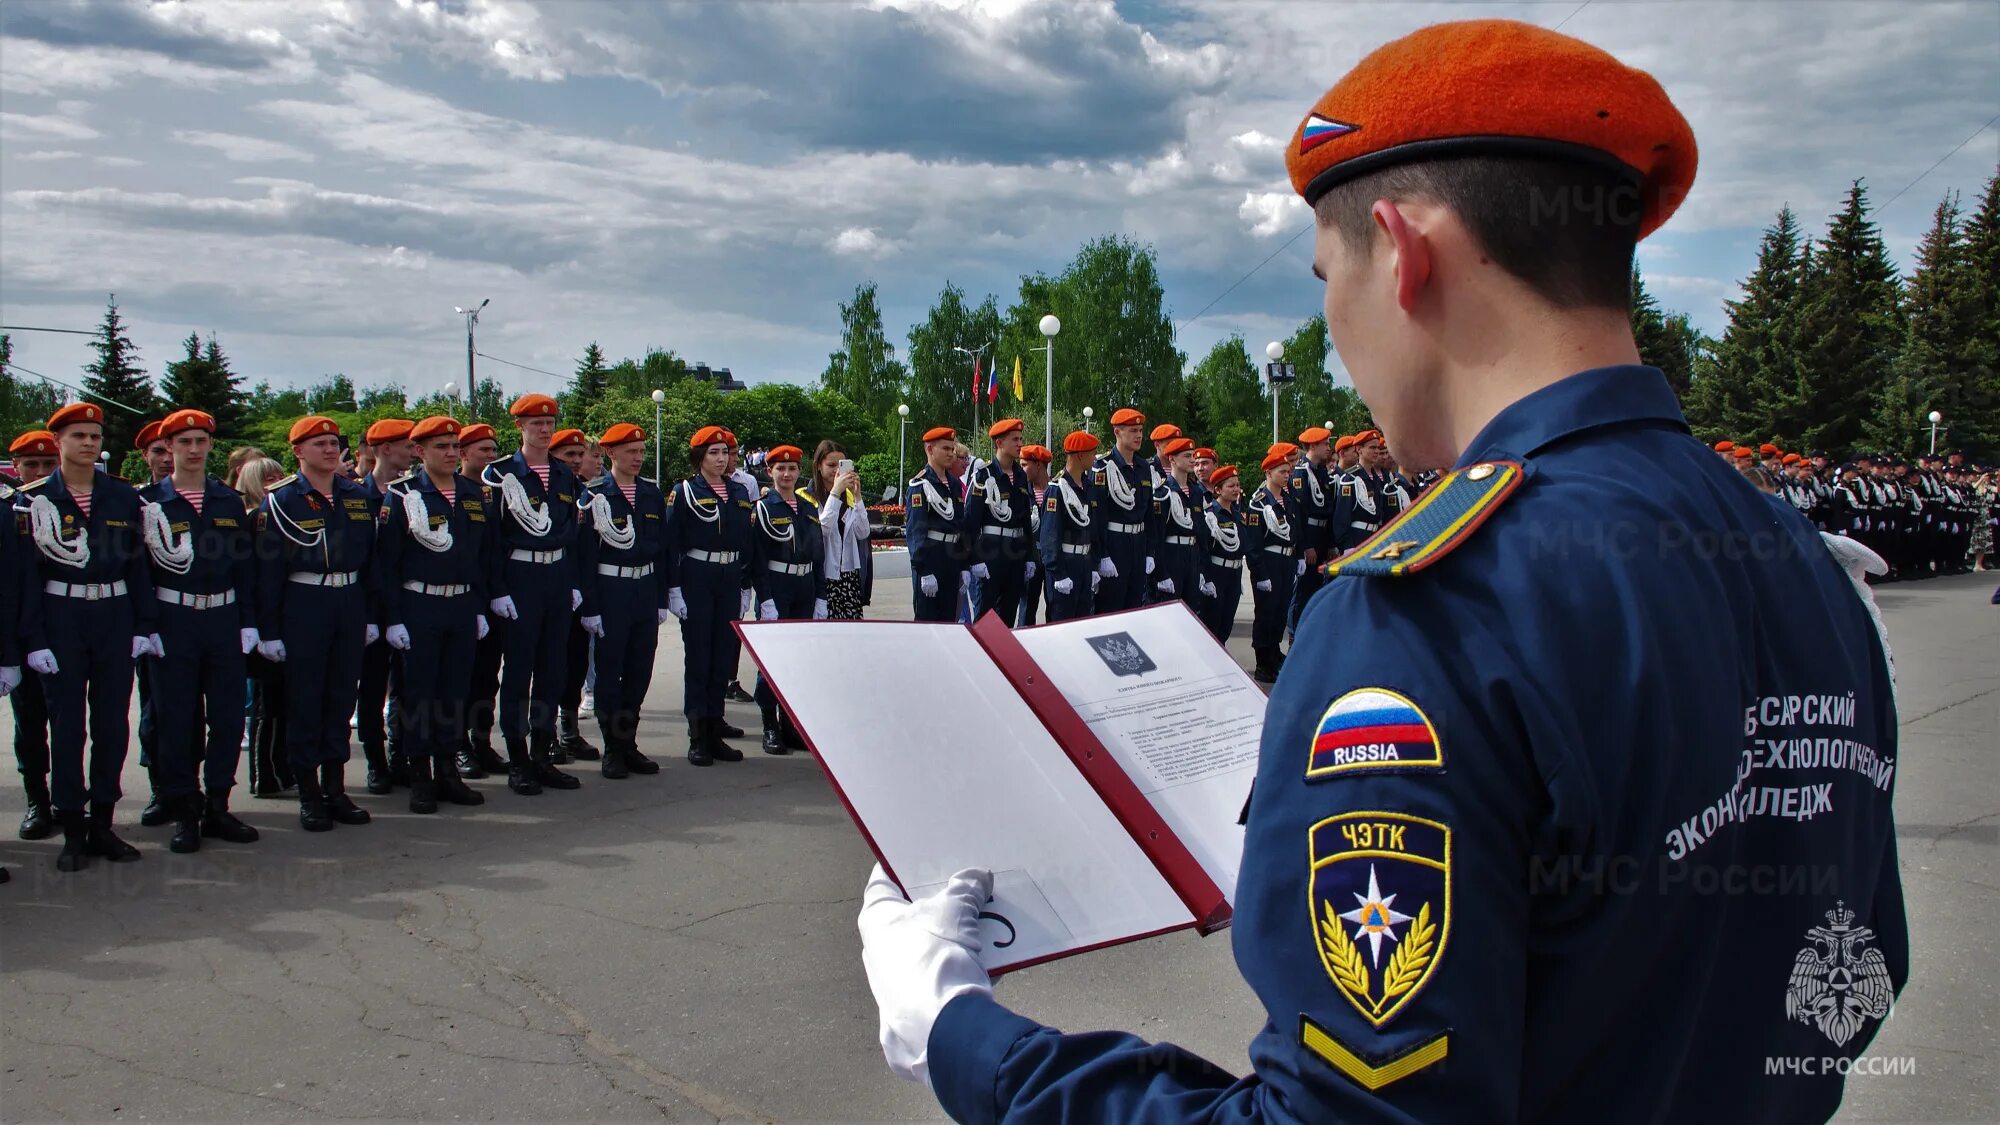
[(33, 455), (622, 543), (316, 606), (478, 447), (934, 526), (1122, 482), (788, 571), (1178, 537), (1273, 544), (1000, 506), (1222, 566), (572, 448), (1312, 498), (381, 668), (534, 593), (159, 460), (1069, 535), (1372, 494), (434, 558), (1035, 461), (201, 547), (708, 542)]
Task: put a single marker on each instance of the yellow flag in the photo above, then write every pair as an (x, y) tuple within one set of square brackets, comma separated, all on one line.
[(1018, 396)]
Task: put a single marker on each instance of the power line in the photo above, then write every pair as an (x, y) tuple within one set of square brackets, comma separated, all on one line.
[(32, 328), (12, 366), (522, 366), (1571, 16), (1940, 160), (1247, 276)]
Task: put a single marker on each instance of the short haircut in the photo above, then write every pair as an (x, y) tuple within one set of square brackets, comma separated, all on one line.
[(1565, 228)]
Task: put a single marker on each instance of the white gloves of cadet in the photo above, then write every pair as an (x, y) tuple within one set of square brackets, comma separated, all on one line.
[(1166, 585), (1105, 569), (1302, 567), (768, 611), (43, 661), (273, 651), (980, 572), (249, 638), (398, 637), (919, 955), (503, 607), (484, 627), (820, 610), (594, 625), (1095, 578), (676, 604), (1029, 574), (10, 678), (1264, 584), (1149, 564), (749, 599), (1207, 587), (1065, 585), (370, 635), (141, 647), (575, 600), (928, 584)]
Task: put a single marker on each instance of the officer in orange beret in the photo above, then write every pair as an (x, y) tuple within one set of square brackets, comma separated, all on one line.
[(88, 616), (434, 560), (1271, 544), (1035, 461), (1312, 500), (999, 507), (1204, 464), (1160, 435), (1453, 755), (707, 557), (159, 459), (622, 541), (34, 457), (1122, 484), (572, 448), (378, 708), (479, 447), (159, 463), (934, 525), (1069, 537), (316, 613), (1178, 531), (199, 540), (788, 569), (535, 591), (1222, 568)]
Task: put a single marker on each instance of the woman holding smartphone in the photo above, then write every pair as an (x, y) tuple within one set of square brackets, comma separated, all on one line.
[(843, 521)]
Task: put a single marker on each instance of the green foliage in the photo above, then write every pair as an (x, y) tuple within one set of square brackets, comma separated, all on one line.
[(1849, 328), (1942, 366), (865, 369), (116, 380), (1666, 341), (878, 472), (25, 404), (939, 387), (1750, 385), (1225, 387), (202, 380), (1242, 443), (1116, 347)]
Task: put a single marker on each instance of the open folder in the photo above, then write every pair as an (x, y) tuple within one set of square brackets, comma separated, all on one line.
[(1095, 766)]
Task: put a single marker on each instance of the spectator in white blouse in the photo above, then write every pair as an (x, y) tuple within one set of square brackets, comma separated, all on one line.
[(843, 520)]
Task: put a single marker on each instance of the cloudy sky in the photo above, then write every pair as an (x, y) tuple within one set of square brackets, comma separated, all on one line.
[(320, 181)]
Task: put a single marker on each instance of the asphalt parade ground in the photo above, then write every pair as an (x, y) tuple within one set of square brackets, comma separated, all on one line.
[(683, 946)]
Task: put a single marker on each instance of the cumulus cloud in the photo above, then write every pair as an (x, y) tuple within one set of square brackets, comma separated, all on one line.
[(245, 150), (861, 242), (1271, 212)]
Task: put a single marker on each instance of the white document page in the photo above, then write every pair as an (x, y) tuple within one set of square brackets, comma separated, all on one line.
[(948, 769), (1176, 711)]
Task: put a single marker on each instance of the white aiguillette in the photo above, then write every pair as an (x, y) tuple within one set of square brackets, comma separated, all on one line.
[(1095, 766)]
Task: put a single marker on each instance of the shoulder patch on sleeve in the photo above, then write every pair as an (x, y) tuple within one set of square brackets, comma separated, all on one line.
[(1373, 730), (1429, 529), (1379, 900)]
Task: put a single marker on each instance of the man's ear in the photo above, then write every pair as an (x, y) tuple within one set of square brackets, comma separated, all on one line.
[(1410, 250)]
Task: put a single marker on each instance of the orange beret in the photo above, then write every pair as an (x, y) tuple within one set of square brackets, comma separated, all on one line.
[(1313, 435), (1203, 452), (784, 455), (940, 433), (1790, 459), (1769, 450), (1743, 453), (388, 430), (74, 413), (181, 421), (1366, 436), (1724, 446), (1176, 446), (312, 426), (437, 425), (621, 433), (1344, 441), (478, 431), (34, 443), (1002, 427), (1496, 87), (147, 435), (1126, 416), (1037, 453), (567, 437), (1279, 454), (1079, 441), (1216, 478), (710, 435), (1163, 432), (533, 406)]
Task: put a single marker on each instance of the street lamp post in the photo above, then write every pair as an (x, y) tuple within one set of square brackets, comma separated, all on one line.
[(659, 396), (1050, 326), (471, 316), (1278, 373), (451, 400), (1935, 419), (902, 448), (1088, 413)]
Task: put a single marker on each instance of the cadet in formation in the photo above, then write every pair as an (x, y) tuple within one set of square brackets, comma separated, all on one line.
[(1223, 568), (479, 447), (1000, 506), (1179, 539), (708, 543), (787, 568), (573, 448), (34, 458), (377, 709), (1035, 461), (1122, 484), (1271, 534), (1311, 497), (624, 568), (934, 526), (1069, 533)]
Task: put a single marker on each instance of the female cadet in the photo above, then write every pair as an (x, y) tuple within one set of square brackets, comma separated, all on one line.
[(434, 556), (1176, 528), (1035, 461), (1272, 546), (1068, 534), (1223, 569), (787, 566), (708, 534), (622, 540), (478, 447)]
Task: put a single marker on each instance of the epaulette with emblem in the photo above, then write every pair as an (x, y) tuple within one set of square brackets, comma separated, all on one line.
[(276, 485), (33, 484), (1429, 529)]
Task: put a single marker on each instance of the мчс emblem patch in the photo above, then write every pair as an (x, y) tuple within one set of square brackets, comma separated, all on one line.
[(1373, 730), (1380, 898)]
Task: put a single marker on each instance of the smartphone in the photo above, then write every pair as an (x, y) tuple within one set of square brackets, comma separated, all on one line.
[(846, 466)]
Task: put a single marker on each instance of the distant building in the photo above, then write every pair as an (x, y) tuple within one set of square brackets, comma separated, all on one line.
[(717, 377)]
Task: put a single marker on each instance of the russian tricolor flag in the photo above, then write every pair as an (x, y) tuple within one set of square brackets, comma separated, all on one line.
[(1372, 727), (1319, 130)]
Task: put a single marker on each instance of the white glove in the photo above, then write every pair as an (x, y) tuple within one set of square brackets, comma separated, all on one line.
[(1166, 585), (1149, 564), (594, 625), (1207, 588), (153, 642), (1106, 569), (10, 678), (43, 661), (1302, 567), (768, 611), (249, 638), (743, 609), (575, 599), (676, 604), (980, 572), (1264, 584), (273, 651), (503, 607), (1065, 585), (398, 637), (820, 610), (370, 635), (664, 615), (919, 956), (1093, 581), (928, 584), (1029, 573), (141, 647), (479, 619)]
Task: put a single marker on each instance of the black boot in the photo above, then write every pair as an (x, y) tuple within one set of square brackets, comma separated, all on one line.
[(520, 772), (450, 789), (726, 729), (400, 768), (468, 762), (613, 763), (574, 745), (628, 745), (545, 768), (793, 739), (340, 806), (187, 824), (219, 823), (774, 735), (735, 694), (1266, 671), (423, 792), (76, 835), (379, 783), (158, 811), (103, 841), (719, 750), (483, 753), (39, 821), (698, 743), (313, 813)]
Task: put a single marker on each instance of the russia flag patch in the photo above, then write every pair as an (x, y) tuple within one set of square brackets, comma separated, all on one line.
[(1373, 730), (1319, 130)]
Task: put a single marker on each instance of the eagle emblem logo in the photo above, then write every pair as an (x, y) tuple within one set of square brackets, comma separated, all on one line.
[(1122, 654), (1839, 981)]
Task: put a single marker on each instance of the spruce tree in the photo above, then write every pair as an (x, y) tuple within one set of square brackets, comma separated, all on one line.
[(1748, 388), (1982, 279), (117, 382), (593, 379), (201, 380), (1850, 329), (1662, 339), (1937, 368)]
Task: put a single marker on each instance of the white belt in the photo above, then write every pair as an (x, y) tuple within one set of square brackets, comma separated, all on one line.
[(1075, 548), (1180, 540), (1276, 549), (942, 536), (196, 601), (308, 578), (610, 571), (791, 568), (1002, 532), (1125, 528), (1218, 560), (1310, 522), (451, 591), (522, 554), (1362, 525), (88, 591), (719, 558)]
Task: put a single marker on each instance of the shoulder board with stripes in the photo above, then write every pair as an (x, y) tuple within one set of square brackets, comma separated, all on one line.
[(1431, 528), (280, 484), (33, 484)]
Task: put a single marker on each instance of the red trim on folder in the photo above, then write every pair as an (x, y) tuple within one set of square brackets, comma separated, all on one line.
[(1149, 830)]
